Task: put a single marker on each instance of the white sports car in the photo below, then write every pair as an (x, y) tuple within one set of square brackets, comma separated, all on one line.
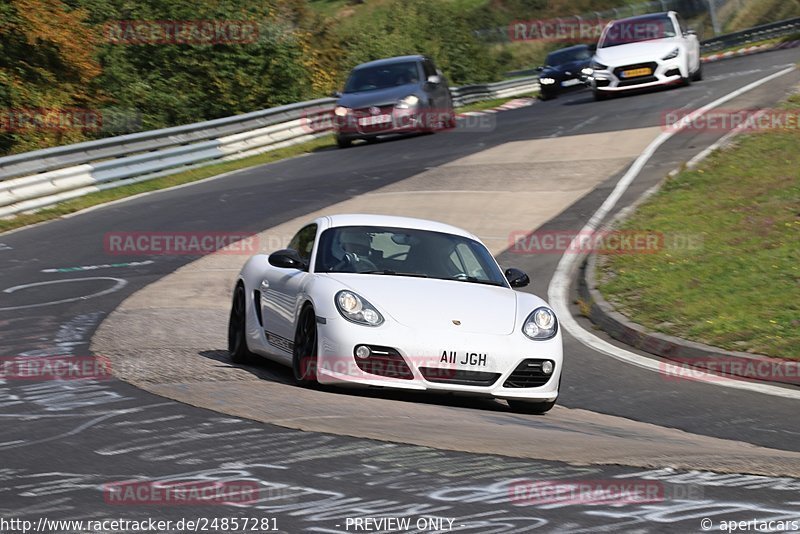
[(644, 51), (382, 301)]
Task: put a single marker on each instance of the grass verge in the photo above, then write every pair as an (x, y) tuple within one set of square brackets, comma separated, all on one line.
[(489, 104), (740, 289), (101, 197), (775, 41)]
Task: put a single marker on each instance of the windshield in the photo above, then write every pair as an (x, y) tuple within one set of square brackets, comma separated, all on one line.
[(569, 55), (635, 30), (406, 252), (382, 77)]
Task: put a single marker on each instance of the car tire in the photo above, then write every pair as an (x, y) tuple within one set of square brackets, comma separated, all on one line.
[(698, 74), (304, 353), (237, 324), (343, 142)]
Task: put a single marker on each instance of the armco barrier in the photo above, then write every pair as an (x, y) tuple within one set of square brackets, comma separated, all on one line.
[(41, 178)]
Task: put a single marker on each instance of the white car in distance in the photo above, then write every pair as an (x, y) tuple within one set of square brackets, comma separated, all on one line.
[(644, 51)]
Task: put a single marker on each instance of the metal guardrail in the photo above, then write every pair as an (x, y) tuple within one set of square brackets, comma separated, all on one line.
[(758, 33), (469, 94), (41, 178)]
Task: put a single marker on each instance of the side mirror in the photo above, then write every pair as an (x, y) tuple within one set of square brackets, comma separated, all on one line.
[(434, 79), (287, 259), (539, 69), (517, 278), (336, 94), (690, 32)]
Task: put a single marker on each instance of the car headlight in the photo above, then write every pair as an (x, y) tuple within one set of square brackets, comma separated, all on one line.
[(547, 81), (541, 324), (587, 71), (341, 111), (596, 65), (672, 54), (408, 102), (357, 309)]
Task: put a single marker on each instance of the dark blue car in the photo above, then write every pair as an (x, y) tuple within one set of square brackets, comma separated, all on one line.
[(562, 70)]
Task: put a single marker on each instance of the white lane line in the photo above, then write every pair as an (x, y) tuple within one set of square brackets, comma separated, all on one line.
[(119, 283), (558, 291)]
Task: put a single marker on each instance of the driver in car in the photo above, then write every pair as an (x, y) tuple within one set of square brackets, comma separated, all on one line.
[(353, 250)]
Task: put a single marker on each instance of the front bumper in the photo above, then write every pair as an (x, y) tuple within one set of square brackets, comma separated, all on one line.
[(422, 351), (664, 72), (392, 121)]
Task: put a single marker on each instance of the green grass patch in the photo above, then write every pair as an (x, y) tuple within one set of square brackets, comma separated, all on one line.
[(101, 197), (489, 104), (740, 288)]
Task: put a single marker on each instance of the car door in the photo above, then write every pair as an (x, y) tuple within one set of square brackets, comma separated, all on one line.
[(280, 291)]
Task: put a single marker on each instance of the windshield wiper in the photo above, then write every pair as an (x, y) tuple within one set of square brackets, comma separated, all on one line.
[(395, 273), (473, 280)]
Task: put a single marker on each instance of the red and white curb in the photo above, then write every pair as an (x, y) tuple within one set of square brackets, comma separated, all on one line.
[(511, 104), (747, 50)]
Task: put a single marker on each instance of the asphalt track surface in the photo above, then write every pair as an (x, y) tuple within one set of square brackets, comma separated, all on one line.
[(61, 441)]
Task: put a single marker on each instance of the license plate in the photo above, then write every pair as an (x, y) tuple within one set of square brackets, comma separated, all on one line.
[(475, 359), (374, 119), (633, 73), (570, 83)]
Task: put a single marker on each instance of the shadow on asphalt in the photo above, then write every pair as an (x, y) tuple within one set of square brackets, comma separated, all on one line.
[(268, 370)]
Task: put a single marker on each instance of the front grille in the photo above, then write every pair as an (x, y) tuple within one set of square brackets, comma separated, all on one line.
[(385, 361), (374, 128), (624, 82), (637, 81), (458, 376), (528, 374)]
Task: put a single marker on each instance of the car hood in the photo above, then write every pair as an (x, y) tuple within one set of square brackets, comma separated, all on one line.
[(627, 54), (379, 97), (557, 71), (425, 303)]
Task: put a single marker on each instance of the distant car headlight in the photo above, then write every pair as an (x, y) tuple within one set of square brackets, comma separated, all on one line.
[(587, 71), (408, 102), (673, 54), (596, 65), (357, 309), (341, 111), (547, 81), (541, 324)]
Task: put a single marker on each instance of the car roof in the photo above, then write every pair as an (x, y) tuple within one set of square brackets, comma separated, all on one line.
[(389, 61), (391, 221), (575, 47), (641, 17)]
